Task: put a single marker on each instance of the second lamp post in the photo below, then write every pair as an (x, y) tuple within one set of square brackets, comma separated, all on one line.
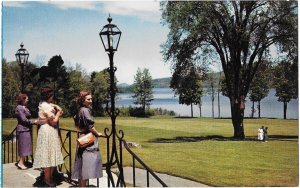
[(22, 58), (110, 37)]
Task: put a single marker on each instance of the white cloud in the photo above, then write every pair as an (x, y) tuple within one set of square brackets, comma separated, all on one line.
[(145, 10), (18, 4), (90, 5)]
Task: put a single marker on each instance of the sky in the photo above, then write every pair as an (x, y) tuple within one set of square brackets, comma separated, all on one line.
[(71, 29)]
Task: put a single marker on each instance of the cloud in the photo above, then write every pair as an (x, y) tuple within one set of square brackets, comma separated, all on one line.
[(145, 10), (18, 4), (64, 5)]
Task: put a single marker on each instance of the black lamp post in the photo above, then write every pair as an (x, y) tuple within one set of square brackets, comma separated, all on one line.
[(110, 37), (22, 58)]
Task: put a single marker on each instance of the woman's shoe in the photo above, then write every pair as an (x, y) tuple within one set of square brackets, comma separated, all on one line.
[(22, 167), (48, 184)]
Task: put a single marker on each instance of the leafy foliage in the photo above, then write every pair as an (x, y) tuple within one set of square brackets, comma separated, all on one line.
[(10, 88), (188, 85), (143, 89), (67, 83), (286, 82), (100, 93), (260, 85), (238, 32)]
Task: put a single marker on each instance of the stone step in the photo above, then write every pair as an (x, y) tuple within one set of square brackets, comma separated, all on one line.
[(14, 177)]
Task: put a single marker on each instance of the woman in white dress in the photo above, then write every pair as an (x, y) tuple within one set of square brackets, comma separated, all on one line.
[(48, 154)]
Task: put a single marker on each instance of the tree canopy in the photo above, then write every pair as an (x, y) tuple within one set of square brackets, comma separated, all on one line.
[(67, 83), (260, 85), (238, 32), (143, 88), (187, 84), (286, 82)]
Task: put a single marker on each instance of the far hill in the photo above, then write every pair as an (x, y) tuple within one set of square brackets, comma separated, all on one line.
[(161, 82)]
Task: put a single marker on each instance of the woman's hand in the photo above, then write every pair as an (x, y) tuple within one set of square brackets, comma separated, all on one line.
[(99, 134), (56, 107), (60, 113)]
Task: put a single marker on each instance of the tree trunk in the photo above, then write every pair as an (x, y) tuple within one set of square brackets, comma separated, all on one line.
[(212, 102), (219, 113), (144, 109), (258, 106), (54, 93), (200, 105), (252, 110), (192, 110), (284, 109), (237, 114)]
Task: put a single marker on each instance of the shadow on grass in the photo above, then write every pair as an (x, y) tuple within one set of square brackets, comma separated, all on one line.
[(185, 117), (180, 139), (291, 138)]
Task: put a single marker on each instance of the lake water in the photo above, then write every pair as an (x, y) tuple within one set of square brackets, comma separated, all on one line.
[(164, 98)]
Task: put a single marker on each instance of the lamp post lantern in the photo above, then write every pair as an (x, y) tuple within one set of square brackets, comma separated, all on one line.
[(22, 58), (110, 36)]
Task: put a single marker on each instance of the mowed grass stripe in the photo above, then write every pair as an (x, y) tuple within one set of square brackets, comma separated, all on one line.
[(201, 149)]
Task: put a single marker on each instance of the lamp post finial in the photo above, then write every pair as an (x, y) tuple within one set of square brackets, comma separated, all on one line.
[(109, 19)]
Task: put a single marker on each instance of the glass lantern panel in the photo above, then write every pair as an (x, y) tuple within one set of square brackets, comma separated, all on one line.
[(115, 40)]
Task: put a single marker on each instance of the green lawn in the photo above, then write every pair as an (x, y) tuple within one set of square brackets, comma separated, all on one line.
[(202, 149)]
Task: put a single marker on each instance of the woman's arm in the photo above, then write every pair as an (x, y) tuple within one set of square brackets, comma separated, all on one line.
[(95, 132), (21, 116), (56, 107), (53, 121)]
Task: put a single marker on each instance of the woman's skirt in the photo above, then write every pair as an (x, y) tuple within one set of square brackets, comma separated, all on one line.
[(88, 162), (24, 143), (47, 153)]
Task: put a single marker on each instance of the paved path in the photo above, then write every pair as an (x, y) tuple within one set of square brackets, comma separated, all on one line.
[(171, 181), (12, 177)]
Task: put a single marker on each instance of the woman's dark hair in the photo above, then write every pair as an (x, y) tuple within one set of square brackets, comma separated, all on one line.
[(21, 98), (46, 93), (80, 99)]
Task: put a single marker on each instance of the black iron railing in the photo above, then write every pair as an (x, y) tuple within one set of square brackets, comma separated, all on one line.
[(68, 138), (136, 158), (9, 155)]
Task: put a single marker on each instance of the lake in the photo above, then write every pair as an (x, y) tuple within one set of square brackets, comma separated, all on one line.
[(164, 98)]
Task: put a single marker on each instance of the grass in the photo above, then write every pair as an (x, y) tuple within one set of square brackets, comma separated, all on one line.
[(201, 149)]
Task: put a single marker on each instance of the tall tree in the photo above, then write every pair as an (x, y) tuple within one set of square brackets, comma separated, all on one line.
[(100, 87), (54, 75), (10, 89), (78, 81), (143, 88), (240, 32), (286, 82), (259, 87), (211, 90), (188, 85)]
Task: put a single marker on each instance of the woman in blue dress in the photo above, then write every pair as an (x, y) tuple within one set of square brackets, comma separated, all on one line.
[(88, 162), (23, 130)]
